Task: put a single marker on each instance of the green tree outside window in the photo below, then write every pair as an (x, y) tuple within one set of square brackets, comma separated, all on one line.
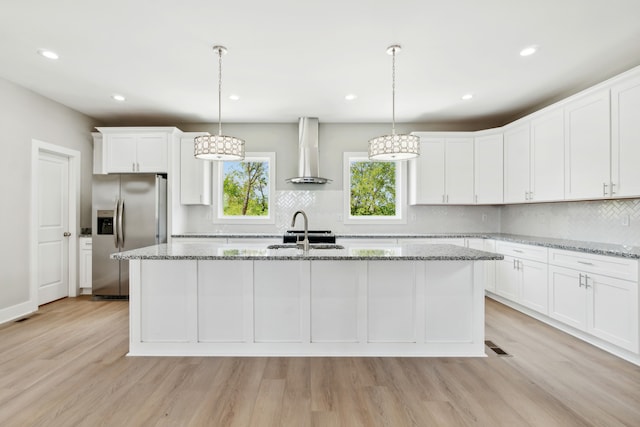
[(246, 188), (373, 188)]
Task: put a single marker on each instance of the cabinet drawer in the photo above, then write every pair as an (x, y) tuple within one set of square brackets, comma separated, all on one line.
[(623, 268), (534, 253), (84, 243)]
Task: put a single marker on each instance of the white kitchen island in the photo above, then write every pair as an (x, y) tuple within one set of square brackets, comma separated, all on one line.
[(198, 299)]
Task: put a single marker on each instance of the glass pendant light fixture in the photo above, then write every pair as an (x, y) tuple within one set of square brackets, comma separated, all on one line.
[(395, 146), (219, 147)]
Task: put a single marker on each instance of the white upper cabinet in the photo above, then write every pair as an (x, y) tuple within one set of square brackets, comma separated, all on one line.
[(195, 174), (587, 147), (443, 173), (488, 167), (459, 171), (132, 150), (625, 143), (547, 157), (516, 164), (426, 173)]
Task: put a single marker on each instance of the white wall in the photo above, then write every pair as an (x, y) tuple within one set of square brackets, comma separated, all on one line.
[(26, 116), (324, 203)]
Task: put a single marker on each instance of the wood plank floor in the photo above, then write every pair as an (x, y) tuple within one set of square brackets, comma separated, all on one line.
[(66, 366)]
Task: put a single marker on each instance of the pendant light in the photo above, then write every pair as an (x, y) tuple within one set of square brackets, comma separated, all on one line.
[(395, 146), (219, 147)]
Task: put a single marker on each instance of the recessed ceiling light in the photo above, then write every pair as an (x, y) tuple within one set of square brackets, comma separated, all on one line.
[(350, 97), (49, 54), (118, 97), (467, 96), (529, 50), (234, 97)]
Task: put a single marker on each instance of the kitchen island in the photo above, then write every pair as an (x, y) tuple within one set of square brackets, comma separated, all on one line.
[(198, 299)]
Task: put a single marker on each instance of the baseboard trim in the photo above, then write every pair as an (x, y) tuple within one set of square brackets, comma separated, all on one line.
[(16, 311)]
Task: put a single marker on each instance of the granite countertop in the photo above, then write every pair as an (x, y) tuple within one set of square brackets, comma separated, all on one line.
[(209, 251), (609, 249)]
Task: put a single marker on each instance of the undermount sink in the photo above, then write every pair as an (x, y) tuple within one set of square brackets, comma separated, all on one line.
[(311, 246)]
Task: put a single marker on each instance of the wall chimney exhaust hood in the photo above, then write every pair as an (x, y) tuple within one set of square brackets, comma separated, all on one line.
[(308, 155)]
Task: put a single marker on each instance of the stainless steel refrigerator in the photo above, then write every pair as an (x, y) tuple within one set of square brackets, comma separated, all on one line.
[(129, 211)]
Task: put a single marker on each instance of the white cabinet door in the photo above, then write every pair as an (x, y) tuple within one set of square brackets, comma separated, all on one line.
[(85, 265), (516, 164), (547, 157), (459, 171), (567, 297), (121, 153), (613, 310), (426, 173), (195, 176), (488, 169), (534, 290), (625, 142), (151, 153), (587, 147), (507, 279)]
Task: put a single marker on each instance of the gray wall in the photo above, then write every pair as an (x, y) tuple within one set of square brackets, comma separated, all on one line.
[(26, 116), (324, 203)]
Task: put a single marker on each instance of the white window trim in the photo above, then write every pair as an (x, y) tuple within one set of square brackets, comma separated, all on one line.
[(218, 181), (401, 192)]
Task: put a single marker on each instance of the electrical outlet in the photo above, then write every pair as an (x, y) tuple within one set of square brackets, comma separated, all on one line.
[(625, 220), (484, 217), (413, 217)]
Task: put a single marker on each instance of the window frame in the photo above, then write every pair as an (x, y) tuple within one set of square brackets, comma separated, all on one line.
[(401, 192), (218, 188)]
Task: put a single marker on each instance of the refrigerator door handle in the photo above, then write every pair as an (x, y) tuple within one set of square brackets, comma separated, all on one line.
[(121, 223), (115, 224)]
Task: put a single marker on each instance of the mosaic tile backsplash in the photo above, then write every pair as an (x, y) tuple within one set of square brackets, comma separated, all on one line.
[(598, 221), (606, 221), (325, 211)]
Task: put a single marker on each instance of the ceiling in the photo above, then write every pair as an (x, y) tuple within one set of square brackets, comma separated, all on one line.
[(291, 58)]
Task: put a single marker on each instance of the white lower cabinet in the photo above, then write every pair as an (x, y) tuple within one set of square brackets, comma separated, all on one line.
[(523, 278), (487, 245), (605, 307), (85, 265)]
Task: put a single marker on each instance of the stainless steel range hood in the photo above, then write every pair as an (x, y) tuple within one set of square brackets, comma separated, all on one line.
[(308, 155)]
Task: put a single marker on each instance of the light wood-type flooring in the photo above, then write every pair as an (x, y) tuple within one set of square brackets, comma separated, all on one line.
[(66, 366)]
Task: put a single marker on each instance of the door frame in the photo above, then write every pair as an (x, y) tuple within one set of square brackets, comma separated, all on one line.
[(74, 157)]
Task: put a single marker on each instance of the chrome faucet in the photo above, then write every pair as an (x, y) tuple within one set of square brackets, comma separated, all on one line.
[(304, 244)]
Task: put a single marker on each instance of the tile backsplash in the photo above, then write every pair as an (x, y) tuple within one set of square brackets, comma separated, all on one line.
[(325, 211), (606, 221)]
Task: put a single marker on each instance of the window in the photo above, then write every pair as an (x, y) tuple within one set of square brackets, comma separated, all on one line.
[(373, 191), (245, 190)]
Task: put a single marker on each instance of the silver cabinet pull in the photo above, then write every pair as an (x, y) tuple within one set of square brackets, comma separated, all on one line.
[(514, 263), (585, 263), (612, 187), (476, 198), (443, 198), (447, 198), (604, 189), (518, 250), (580, 280), (586, 282)]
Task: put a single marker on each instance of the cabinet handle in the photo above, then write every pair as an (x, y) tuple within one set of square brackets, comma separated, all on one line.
[(447, 198), (138, 167), (443, 198), (133, 167), (476, 198), (586, 282), (580, 280), (604, 189), (518, 250), (514, 264), (519, 265), (585, 262), (612, 187)]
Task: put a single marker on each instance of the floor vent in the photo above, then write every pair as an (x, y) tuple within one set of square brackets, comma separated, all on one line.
[(497, 350)]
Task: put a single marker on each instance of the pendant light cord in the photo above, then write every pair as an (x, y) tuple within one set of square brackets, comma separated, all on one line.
[(219, 91), (393, 92)]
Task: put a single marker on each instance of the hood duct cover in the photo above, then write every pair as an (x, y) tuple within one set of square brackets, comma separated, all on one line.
[(308, 154)]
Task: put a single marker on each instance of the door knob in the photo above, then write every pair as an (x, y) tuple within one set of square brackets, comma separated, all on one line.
[(66, 234)]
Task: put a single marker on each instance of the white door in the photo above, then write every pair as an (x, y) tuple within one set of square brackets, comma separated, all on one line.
[(53, 223)]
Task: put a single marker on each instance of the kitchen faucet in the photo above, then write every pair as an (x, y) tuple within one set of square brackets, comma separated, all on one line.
[(305, 242)]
